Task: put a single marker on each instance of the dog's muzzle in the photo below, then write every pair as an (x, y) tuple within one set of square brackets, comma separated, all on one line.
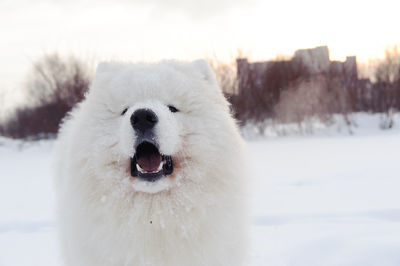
[(149, 164)]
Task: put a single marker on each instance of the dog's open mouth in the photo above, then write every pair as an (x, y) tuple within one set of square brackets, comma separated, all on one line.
[(149, 164)]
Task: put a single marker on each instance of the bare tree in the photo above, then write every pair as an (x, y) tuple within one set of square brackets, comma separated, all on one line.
[(304, 102), (260, 87), (388, 70), (60, 79), (387, 76), (225, 72), (54, 86)]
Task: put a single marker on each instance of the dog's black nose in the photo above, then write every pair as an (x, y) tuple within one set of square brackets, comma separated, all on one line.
[(143, 120)]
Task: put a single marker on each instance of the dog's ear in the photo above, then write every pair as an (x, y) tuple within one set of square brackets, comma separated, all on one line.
[(103, 75), (204, 68)]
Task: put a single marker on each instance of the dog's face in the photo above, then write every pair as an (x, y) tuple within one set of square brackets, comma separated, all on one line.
[(151, 122)]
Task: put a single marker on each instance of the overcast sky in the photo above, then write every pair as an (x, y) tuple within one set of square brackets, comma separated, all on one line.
[(186, 29)]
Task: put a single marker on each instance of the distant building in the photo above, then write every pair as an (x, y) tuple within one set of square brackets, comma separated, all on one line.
[(262, 84), (316, 59), (311, 62)]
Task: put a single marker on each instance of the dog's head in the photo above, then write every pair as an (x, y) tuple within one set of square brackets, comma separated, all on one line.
[(150, 123)]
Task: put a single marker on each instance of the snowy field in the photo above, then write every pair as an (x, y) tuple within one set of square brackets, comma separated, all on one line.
[(326, 199)]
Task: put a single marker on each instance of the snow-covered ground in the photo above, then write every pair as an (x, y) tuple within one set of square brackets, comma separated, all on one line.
[(326, 199)]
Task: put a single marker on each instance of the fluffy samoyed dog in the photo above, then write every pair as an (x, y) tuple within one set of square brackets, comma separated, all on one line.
[(149, 170)]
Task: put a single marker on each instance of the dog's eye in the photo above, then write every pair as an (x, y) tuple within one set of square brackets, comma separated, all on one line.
[(172, 108), (124, 111)]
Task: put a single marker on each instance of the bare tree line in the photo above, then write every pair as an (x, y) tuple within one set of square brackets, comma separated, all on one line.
[(284, 92)]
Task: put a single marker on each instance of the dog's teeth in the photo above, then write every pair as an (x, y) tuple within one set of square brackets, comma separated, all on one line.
[(160, 166), (140, 169)]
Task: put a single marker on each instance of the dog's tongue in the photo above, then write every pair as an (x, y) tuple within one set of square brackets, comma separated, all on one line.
[(149, 162)]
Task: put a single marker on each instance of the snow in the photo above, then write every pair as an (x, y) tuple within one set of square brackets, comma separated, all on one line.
[(326, 199), (27, 231)]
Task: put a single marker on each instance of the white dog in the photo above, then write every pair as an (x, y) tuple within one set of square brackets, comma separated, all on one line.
[(149, 171)]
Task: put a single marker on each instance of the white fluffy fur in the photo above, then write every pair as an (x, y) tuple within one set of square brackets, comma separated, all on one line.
[(196, 216)]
